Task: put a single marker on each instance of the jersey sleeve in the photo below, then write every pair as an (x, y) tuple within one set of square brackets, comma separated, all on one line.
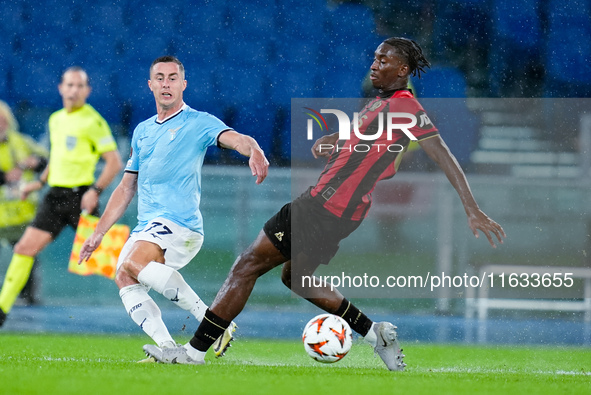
[(423, 128), (132, 165), (212, 128), (102, 137)]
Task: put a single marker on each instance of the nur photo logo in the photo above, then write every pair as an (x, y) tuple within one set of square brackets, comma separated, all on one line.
[(345, 124), (347, 129)]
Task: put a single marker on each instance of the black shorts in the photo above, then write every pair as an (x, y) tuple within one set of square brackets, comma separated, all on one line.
[(60, 207), (304, 226)]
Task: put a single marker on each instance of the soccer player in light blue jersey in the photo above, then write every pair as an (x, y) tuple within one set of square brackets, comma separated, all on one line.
[(164, 168)]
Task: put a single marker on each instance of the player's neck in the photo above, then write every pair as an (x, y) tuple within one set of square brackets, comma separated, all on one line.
[(397, 85), (165, 113), (385, 94), (71, 108)]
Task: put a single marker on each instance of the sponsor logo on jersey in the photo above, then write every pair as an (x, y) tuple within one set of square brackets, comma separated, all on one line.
[(377, 104), (423, 121)]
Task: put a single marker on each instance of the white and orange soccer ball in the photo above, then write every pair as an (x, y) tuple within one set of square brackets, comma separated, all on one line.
[(327, 338)]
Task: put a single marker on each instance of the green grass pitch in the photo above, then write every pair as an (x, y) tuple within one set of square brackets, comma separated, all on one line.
[(100, 364)]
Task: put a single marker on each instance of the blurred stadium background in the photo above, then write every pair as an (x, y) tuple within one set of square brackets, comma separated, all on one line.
[(507, 89)]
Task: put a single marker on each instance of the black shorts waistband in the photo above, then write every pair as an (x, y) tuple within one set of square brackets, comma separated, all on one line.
[(82, 188)]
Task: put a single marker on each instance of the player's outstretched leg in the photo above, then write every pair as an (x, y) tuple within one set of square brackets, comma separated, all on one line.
[(171, 284), (260, 257), (386, 345)]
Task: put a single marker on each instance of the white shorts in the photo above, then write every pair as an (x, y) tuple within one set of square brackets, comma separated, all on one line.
[(179, 244)]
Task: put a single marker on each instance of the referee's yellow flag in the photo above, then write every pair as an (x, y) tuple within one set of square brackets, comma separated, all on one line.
[(104, 259)]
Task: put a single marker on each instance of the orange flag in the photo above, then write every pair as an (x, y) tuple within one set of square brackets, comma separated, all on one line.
[(104, 259)]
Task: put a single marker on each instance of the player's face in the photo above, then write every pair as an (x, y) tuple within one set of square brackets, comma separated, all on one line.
[(74, 89), (387, 71), (167, 84)]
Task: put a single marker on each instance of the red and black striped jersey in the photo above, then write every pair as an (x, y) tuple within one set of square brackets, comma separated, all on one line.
[(355, 165)]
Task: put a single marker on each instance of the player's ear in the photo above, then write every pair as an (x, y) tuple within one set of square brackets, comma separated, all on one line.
[(150, 85), (403, 70)]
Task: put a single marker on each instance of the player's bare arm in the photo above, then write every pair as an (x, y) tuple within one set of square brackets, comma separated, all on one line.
[(118, 203), (438, 151), (113, 166), (247, 146), (329, 140)]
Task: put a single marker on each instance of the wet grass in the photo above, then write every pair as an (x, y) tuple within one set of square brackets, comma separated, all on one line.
[(101, 364)]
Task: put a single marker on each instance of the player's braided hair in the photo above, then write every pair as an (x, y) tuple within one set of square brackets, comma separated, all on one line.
[(411, 53)]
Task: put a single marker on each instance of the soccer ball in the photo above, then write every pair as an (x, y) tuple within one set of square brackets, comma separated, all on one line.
[(327, 338)]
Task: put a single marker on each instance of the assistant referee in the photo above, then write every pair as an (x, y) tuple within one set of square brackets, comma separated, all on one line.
[(79, 137)]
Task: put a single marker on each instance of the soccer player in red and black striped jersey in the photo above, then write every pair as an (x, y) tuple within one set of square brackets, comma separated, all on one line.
[(306, 232), (355, 165)]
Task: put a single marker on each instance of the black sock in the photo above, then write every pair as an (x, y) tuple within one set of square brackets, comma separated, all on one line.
[(209, 330), (354, 317)]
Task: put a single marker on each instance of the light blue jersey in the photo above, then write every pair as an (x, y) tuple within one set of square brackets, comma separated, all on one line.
[(168, 156)]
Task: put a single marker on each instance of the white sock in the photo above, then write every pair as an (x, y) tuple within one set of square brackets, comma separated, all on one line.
[(371, 337), (193, 353), (171, 284), (143, 311)]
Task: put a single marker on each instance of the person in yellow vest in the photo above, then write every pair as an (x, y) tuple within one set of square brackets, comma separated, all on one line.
[(20, 158), (79, 137)]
